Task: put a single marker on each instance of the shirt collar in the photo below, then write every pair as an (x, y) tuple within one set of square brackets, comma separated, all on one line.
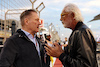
[(28, 34)]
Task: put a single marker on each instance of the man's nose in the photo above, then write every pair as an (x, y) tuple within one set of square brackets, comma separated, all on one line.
[(60, 19), (39, 22)]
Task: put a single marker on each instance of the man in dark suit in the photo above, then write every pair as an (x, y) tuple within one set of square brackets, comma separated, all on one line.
[(23, 48)]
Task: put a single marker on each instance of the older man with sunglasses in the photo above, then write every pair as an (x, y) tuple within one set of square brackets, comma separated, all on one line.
[(81, 50)]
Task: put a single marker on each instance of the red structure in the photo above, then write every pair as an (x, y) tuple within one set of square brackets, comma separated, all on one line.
[(58, 63)]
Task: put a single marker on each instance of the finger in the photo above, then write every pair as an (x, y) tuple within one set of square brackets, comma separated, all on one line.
[(48, 46), (48, 53), (47, 49), (55, 44)]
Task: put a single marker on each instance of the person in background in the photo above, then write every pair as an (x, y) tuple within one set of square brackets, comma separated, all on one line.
[(23, 48), (65, 43), (81, 43), (45, 58), (58, 42)]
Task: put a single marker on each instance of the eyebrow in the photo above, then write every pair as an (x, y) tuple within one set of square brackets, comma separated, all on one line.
[(64, 13)]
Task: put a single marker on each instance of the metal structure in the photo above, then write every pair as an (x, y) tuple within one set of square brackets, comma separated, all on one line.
[(32, 3), (50, 28), (58, 29), (10, 11), (7, 13), (13, 29), (37, 9), (53, 32), (42, 4)]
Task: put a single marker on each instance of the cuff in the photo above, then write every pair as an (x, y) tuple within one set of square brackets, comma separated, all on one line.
[(61, 56)]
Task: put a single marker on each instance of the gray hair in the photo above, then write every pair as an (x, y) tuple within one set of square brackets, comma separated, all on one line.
[(73, 8)]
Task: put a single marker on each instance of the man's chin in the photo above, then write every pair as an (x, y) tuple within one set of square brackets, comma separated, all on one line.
[(64, 26), (37, 31)]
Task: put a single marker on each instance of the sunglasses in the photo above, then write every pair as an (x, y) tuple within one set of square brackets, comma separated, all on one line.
[(63, 15)]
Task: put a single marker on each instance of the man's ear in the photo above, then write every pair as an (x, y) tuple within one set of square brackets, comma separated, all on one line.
[(26, 21), (73, 15)]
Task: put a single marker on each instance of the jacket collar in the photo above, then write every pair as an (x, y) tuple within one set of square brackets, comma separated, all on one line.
[(22, 34), (78, 25)]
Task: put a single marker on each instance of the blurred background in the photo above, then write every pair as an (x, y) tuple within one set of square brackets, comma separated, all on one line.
[(49, 12)]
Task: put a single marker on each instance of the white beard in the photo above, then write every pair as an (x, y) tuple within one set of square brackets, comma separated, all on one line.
[(64, 25)]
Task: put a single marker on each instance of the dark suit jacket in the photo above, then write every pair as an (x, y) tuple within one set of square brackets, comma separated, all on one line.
[(19, 51)]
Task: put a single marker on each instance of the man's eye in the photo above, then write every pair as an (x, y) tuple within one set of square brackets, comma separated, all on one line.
[(37, 19), (62, 15)]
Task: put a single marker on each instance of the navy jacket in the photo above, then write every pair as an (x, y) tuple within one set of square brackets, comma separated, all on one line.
[(19, 51)]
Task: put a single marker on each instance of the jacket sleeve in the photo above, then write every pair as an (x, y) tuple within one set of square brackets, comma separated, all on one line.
[(85, 51), (8, 53)]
